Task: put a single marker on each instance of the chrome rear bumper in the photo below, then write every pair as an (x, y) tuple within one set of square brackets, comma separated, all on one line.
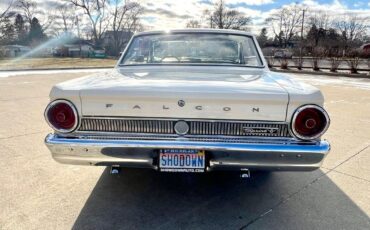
[(293, 156)]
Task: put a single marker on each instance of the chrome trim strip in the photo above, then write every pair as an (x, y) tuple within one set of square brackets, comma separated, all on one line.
[(75, 113), (187, 119), (297, 135), (314, 147), (115, 135)]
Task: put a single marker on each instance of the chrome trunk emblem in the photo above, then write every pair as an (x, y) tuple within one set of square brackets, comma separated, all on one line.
[(181, 128), (258, 130)]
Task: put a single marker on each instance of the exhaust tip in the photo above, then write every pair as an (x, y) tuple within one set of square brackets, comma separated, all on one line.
[(115, 170)]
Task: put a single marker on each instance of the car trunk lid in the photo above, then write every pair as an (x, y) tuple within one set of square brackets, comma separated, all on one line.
[(178, 92)]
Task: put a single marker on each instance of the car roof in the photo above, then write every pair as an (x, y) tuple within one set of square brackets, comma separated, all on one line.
[(198, 30)]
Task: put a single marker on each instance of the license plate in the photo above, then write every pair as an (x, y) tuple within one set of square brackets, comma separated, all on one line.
[(181, 160)]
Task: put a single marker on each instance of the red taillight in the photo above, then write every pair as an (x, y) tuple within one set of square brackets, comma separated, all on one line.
[(61, 116), (310, 122)]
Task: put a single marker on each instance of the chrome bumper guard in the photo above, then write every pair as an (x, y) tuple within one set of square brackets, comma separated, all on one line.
[(288, 156)]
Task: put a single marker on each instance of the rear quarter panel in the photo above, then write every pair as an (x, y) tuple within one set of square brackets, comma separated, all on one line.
[(299, 93)]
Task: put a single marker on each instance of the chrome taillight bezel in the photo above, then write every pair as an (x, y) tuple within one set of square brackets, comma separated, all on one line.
[(70, 104), (314, 137)]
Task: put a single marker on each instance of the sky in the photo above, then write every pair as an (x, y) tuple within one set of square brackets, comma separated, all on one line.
[(167, 14), (173, 14)]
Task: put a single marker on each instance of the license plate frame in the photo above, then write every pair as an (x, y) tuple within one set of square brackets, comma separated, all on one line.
[(182, 160)]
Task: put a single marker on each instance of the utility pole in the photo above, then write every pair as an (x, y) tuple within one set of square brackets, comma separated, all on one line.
[(304, 11), (79, 35), (301, 46)]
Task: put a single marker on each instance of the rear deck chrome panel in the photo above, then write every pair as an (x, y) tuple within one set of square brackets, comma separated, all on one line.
[(197, 127)]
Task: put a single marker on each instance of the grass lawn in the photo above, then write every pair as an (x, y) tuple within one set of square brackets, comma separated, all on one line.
[(54, 62)]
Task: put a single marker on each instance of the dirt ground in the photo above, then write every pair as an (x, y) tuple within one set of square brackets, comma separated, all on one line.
[(54, 62), (38, 193)]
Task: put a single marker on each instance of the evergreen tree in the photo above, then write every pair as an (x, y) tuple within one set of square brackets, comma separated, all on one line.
[(20, 29), (316, 35), (262, 38), (36, 34), (332, 42), (279, 39)]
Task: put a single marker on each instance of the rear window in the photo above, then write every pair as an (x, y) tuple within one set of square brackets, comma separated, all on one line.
[(192, 48)]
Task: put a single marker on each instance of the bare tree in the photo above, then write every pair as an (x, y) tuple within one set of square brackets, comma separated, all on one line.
[(125, 19), (223, 18), (286, 23), (270, 61), (283, 63), (193, 24), (7, 32), (30, 10), (298, 60), (5, 9), (96, 11), (351, 28), (68, 16), (353, 60), (334, 63), (65, 21), (318, 53), (321, 19)]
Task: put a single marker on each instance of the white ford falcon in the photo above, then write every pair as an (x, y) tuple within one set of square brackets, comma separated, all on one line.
[(189, 101)]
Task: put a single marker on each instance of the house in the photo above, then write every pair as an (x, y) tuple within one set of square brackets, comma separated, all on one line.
[(365, 49), (74, 48), (13, 50)]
